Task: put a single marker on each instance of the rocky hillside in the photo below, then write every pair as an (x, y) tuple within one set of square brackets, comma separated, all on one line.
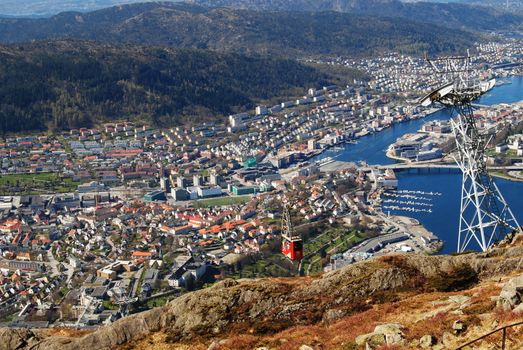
[(405, 301)]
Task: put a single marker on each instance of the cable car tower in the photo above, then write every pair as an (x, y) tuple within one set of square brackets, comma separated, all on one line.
[(485, 215), (292, 244)]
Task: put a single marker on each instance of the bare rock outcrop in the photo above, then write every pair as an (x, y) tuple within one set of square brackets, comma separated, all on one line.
[(512, 293), (16, 338)]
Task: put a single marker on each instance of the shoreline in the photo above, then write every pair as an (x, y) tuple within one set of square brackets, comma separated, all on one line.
[(506, 177), (355, 140), (390, 155), (418, 233)]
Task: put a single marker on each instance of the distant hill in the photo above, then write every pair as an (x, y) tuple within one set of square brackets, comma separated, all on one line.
[(515, 6), (47, 8), (68, 84), (32, 8), (456, 15), (281, 33)]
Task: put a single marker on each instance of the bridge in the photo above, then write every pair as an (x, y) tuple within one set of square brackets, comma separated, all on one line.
[(407, 166), (418, 166), (449, 166), (507, 65)]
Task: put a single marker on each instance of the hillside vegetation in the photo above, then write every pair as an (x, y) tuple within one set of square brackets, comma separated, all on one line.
[(286, 34), (68, 84), (450, 14)]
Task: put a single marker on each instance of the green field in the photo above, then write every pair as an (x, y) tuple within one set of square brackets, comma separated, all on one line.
[(270, 265), (160, 301), (108, 305), (38, 183), (221, 201), (333, 240), (512, 153)]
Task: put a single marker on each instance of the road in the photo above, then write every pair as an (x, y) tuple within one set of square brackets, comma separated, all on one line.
[(518, 175), (54, 267), (109, 241), (53, 263), (417, 231), (137, 276)]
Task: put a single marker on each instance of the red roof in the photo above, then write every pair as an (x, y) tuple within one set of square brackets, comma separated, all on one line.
[(137, 253)]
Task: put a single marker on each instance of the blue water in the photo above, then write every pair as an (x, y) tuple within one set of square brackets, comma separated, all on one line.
[(508, 93), (372, 148), (444, 219)]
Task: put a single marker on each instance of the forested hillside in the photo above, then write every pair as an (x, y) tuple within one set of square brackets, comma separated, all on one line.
[(448, 14), (287, 34), (67, 84)]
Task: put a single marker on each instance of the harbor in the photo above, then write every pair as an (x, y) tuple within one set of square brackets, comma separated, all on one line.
[(446, 185)]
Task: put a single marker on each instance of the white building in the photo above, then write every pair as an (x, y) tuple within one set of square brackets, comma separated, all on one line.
[(385, 179), (205, 192), (92, 186), (237, 120), (262, 110)]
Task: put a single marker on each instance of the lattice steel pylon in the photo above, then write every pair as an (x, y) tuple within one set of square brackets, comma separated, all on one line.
[(484, 214), (292, 244), (286, 223)]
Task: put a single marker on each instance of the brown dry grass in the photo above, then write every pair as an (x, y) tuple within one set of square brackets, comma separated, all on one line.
[(340, 335), (435, 326), (390, 347), (293, 281), (160, 341), (506, 317), (68, 332), (240, 342)]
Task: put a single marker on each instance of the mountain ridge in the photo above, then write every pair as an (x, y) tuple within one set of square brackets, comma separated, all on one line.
[(286, 34), (456, 15), (43, 8)]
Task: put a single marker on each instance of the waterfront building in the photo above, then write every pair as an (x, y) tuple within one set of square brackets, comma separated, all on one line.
[(385, 179)]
